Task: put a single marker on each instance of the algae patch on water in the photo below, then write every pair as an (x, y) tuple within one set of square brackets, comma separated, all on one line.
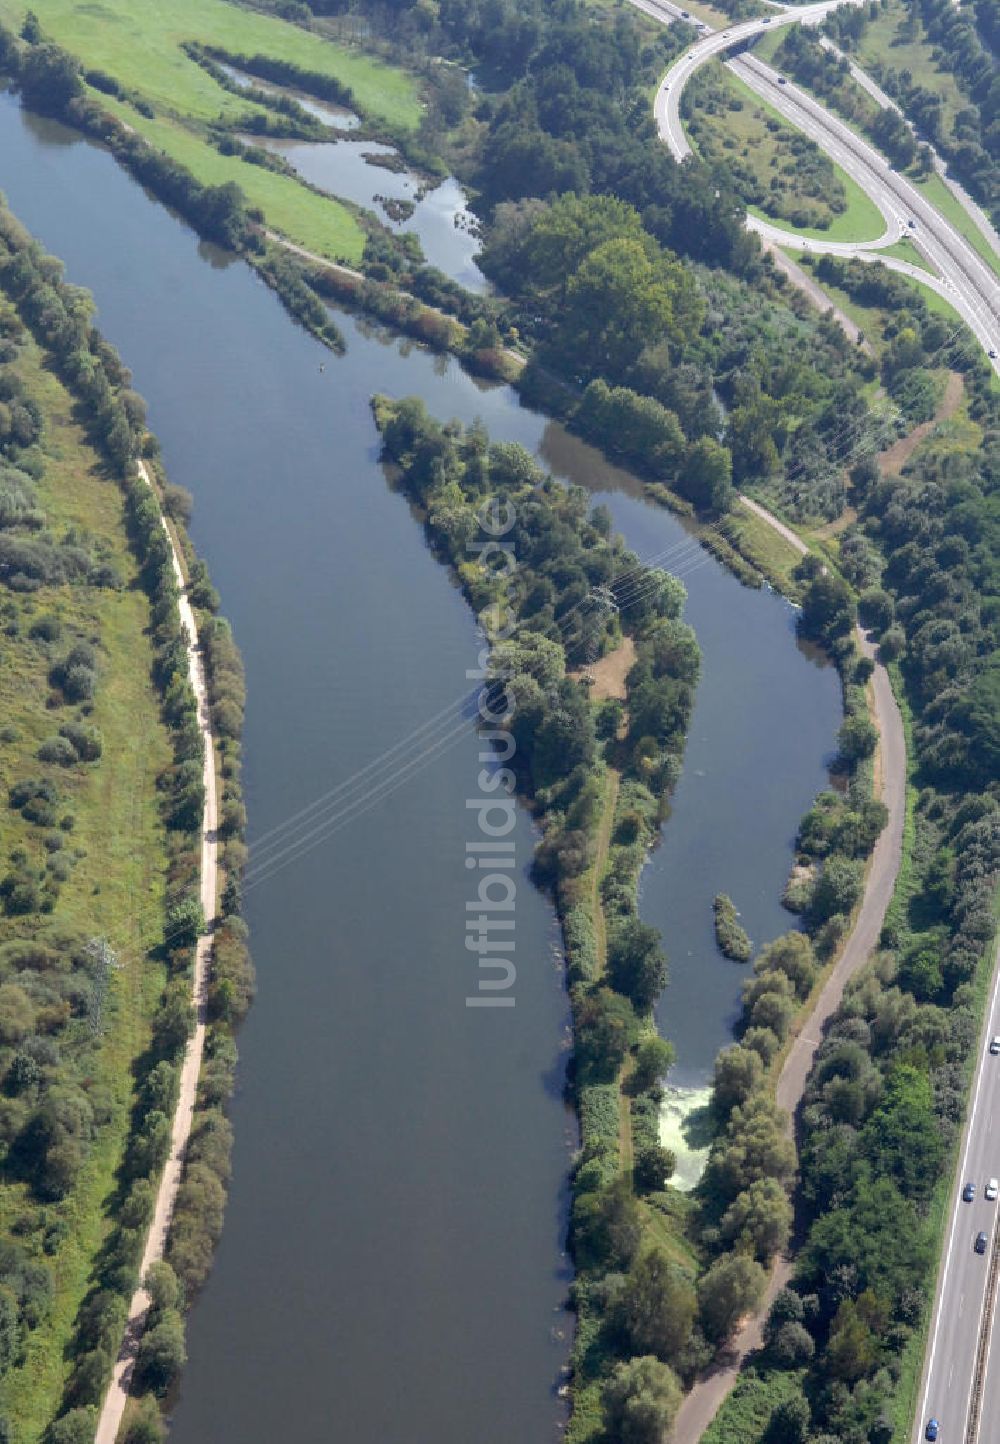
[(686, 1129)]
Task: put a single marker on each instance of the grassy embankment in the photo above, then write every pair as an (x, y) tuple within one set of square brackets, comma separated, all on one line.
[(939, 196), (905, 250), (141, 47), (115, 889), (742, 131)]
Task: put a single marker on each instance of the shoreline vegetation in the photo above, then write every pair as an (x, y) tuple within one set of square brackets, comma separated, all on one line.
[(595, 773), (663, 1279), (58, 318), (843, 1343), (731, 939)]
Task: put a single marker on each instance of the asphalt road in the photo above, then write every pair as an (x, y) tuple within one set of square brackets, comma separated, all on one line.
[(963, 278), (957, 1320)]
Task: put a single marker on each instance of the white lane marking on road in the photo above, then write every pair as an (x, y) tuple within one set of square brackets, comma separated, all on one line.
[(980, 1075)]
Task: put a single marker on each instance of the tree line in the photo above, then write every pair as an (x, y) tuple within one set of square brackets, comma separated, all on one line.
[(50, 1146)]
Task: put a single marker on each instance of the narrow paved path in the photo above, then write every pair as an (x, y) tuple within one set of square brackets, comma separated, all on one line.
[(156, 1240), (706, 1398)]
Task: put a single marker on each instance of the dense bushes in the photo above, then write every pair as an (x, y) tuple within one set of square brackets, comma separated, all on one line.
[(770, 164), (732, 940)]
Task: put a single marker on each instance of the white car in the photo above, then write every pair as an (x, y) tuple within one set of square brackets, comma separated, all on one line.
[(992, 1189), (995, 1044)]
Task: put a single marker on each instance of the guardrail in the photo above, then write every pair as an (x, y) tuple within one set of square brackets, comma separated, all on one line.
[(983, 1348)]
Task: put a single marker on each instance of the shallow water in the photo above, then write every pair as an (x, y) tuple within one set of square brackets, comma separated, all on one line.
[(336, 116)]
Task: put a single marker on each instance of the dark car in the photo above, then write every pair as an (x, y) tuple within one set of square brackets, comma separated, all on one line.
[(912, 225), (933, 1429), (993, 357), (980, 1243), (969, 1192), (782, 80)]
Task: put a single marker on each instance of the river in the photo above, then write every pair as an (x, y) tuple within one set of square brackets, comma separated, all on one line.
[(391, 1268)]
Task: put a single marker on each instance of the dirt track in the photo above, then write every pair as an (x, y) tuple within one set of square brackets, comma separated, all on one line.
[(156, 1240)]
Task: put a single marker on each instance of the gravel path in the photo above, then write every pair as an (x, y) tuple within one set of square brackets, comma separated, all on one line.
[(156, 1241)]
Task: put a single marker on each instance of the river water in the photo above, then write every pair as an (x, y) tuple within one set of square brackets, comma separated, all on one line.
[(391, 1270)]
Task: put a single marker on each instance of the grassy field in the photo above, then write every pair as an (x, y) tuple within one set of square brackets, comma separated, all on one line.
[(766, 548), (311, 220), (774, 166), (115, 888), (905, 250), (885, 43), (140, 44)]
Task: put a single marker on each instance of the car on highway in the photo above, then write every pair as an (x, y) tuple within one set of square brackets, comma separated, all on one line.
[(993, 356), (912, 225), (782, 80), (980, 1243), (992, 1189), (995, 1040), (968, 1192), (932, 1430)]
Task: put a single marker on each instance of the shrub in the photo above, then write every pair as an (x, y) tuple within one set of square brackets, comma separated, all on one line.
[(732, 939), (640, 1401), (653, 1167), (161, 1354), (146, 1426), (731, 1288), (59, 751)]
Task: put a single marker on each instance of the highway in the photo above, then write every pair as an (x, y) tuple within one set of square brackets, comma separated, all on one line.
[(958, 1316), (962, 277)]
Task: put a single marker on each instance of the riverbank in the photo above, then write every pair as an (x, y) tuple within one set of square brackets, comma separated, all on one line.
[(120, 1118), (155, 1247), (85, 859), (704, 1401)]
